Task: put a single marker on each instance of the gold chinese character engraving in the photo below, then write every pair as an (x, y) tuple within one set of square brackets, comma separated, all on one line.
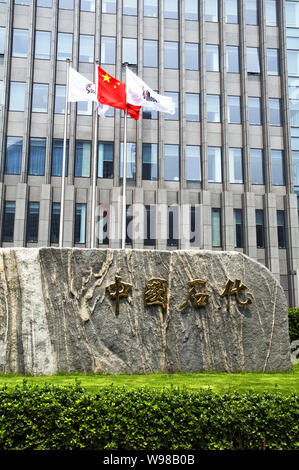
[(117, 290), (199, 299), (156, 292), (234, 288)]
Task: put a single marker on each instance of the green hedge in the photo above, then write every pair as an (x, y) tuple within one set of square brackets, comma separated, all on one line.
[(69, 418), (294, 323)]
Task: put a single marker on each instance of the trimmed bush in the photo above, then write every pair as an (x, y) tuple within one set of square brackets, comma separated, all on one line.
[(69, 418), (294, 323)]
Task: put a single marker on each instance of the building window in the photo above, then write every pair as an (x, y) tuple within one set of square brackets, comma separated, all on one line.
[(86, 48), (234, 109), (109, 6), (216, 228), (212, 58), (55, 222), (66, 4), (171, 55), (129, 51), (232, 59), (292, 14), (251, 12), (211, 11), (32, 222), (256, 166), (82, 159), (8, 221), (150, 162), (214, 165), (87, 5), (84, 108), (254, 111), (191, 10), (148, 113), (44, 3), (13, 157), (42, 45), (131, 160), (295, 158), (192, 106), (277, 167), (105, 159), (17, 96), (260, 228), (281, 229), (40, 98), (129, 224), (150, 53), (176, 115), (37, 153), (60, 99), (150, 8), (149, 226), (20, 43), (271, 13), (193, 163), (191, 56), (103, 227), (274, 111), (193, 224), (231, 11), (253, 60), (171, 9), (293, 63), (171, 163), (294, 112), (108, 50), (2, 40), (64, 46), (235, 165), (213, 108), (80, 223), (272, 61), (173, 226), (57, 156), (238, 228), (130, 7)]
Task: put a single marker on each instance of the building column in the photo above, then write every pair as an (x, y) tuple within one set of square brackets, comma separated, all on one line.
[(207, 221), (249, 225), (227, 220), (272, 252), (44, 216), (69, 216), (138, 218), (293, 245), (21, 214)]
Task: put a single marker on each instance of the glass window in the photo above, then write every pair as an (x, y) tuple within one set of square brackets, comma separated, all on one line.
[(277, 167), (2, 40), (109, 6), (295, 158), (149, 162), (82, 159), (191, 56), (108, 50), (44, 3), (260, 228), (66, 4), (254, 110), (191, 10), (273, 61), (212, 58), (17, 96), (129, 50), (40, 98), (131, 160), (8, 221), (55, 222), (173, 226), (150, 8), (231, 11), (193, 163), (271, 13), (293, 62), (21, 2), (103, 226), (84, 108), (251, 12), (32, 222), (57, 157), (281, 229), (274, 111), (37, 153), (256, 166), (216, 228), (80, 223), (150, 53), (214, 165), (238, 228), (64, 46), (130, 7), (176, 115), (253, 60), (232, 59), (86, 48), (171, 163), (211, 11), (1, 93), (13, 157), (294, 112), (60, 99), (171, 8), (42, 44), (292, 14), (213, 108), (149, 225), (192, 106), (171, 55), (105, 159), (235, 165), (20, 43), (234, 109), (87, 5)]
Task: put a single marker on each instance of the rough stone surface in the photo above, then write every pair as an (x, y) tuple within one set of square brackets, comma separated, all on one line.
[(57, 315)]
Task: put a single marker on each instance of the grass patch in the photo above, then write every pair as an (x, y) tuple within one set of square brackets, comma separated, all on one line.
[(217, 382)]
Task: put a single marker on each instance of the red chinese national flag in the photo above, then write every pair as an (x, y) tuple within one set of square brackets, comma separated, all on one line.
[(111, 91)]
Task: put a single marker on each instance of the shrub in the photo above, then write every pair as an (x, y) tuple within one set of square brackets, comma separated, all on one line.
[(294, 323)]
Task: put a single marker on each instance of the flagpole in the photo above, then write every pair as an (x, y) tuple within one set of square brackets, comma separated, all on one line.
[(62, 200), (124, 207), (94, 172)]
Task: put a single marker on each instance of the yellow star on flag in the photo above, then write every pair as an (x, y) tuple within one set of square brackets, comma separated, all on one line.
[(106, 78)]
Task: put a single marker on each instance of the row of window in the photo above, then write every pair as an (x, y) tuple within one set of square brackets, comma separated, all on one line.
[(149, 225), (150, 167)]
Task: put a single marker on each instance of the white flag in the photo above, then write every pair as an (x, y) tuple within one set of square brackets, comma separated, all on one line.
[(140, 94), (80, 88)]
